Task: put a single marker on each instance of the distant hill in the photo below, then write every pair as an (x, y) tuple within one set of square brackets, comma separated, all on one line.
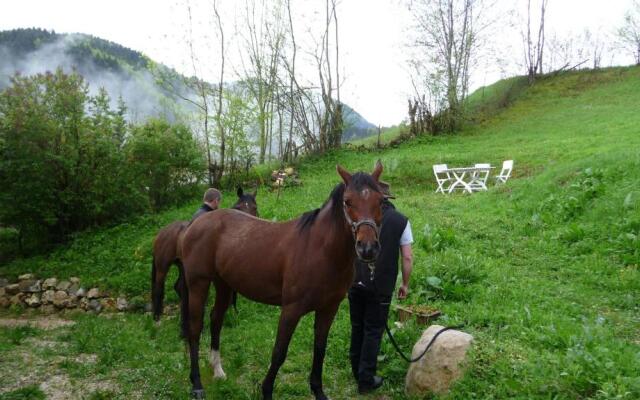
[(121, 71)]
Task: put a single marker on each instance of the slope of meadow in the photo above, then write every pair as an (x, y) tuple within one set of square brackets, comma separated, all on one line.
[(542, 271)]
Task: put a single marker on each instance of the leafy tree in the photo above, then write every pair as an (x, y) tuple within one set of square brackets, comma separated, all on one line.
[(61, 164), (166, 160), (629, 33)]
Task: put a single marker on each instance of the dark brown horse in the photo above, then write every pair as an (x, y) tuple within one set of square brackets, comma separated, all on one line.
[(166, 247), (302, 265)]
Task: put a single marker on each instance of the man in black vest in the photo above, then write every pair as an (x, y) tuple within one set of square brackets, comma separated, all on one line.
[(210, 201), (369, 311)]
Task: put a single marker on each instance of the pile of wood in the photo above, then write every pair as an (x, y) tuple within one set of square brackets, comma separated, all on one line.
[(285, 177)]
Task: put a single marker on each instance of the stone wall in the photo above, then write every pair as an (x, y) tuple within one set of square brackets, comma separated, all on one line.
[(51, 295)]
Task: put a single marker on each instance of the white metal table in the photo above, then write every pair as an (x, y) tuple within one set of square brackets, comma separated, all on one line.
[(467, 178)]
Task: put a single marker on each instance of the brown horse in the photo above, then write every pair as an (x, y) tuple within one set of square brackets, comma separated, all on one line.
[(166, 247), (302, 265)]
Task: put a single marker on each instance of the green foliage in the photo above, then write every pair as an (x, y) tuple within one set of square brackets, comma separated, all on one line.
[(32, 392), (437, 239), (68, 161), (547, 288), (166, 162)]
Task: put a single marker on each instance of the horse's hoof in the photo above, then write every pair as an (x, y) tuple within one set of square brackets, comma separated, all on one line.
[(197, 394)]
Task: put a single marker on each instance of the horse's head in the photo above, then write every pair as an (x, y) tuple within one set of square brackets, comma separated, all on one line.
[(362, 201), (247, 202)]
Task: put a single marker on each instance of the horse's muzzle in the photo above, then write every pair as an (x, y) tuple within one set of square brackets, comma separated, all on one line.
[(367, 251)]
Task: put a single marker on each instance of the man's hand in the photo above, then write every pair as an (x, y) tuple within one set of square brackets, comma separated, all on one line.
[(403, 291)]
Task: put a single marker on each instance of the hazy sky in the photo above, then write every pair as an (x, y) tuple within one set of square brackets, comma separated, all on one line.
[(372, 37)]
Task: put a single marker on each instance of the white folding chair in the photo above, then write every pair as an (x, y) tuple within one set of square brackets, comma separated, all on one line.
[(479, 178), (442, 176), (507, 166)]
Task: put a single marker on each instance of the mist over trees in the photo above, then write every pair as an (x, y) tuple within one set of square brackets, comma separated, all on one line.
[(68, 161)]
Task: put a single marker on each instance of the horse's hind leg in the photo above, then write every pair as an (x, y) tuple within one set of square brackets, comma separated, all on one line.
[(224, 295), (323, 320), (197, 296), (289, 318), (159, 269)]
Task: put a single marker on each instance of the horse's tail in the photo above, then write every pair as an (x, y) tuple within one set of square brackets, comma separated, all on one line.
[(183, 292), (234, 300)]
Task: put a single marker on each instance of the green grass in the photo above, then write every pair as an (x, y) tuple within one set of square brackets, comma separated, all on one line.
[(543, 271)]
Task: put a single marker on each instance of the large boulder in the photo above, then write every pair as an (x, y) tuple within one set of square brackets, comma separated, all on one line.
[(442, 365)]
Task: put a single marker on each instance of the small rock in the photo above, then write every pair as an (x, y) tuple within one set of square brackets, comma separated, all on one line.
[(60, 299), (94, 305), (17, 299), (82, 292), (3, 282), (108, 304), (26, 277), (30, 286), (12, 289), (94, 293), (50, 283), (33, 300), (288, 171), (74, 279), (73, 302), (73, 289), (3, 292), (121, 304), (48, 309), (84, 303), (148, 307), (4, 302), (47, 296), (63, 285)]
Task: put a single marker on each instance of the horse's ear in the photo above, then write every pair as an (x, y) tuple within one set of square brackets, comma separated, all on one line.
[(346, 176), (377, 171), (240, 192)]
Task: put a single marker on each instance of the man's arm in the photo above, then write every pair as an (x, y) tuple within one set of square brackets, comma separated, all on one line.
[(407, 266)]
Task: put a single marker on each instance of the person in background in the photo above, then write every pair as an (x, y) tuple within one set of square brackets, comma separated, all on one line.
[(210, 201), (369, 300)]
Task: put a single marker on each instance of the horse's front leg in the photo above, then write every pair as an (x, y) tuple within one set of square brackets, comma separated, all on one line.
[(223, 300), (289, 318), (323, 321)]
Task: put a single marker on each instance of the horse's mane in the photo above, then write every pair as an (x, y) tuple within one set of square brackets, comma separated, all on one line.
[(359, 181)]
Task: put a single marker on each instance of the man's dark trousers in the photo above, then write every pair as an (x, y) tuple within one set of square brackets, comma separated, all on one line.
[(368, 318)]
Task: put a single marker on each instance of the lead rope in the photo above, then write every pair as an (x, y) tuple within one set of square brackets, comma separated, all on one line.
[(386, 325)]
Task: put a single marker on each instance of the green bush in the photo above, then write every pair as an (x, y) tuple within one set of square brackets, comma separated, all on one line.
[(68, 161), (166, 162)]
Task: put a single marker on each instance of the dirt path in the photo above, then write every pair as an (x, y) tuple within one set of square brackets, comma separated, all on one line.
[(39, 360)]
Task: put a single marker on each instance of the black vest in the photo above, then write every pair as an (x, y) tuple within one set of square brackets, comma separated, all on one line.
[(202, 210), (393, 224)]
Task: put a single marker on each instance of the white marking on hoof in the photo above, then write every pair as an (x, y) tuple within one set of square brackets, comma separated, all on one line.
[(216, 364)]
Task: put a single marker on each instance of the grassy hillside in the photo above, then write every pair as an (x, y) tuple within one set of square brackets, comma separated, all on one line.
[(543, 271)]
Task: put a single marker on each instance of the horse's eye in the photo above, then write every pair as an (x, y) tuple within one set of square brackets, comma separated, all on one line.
[(347, 203)]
